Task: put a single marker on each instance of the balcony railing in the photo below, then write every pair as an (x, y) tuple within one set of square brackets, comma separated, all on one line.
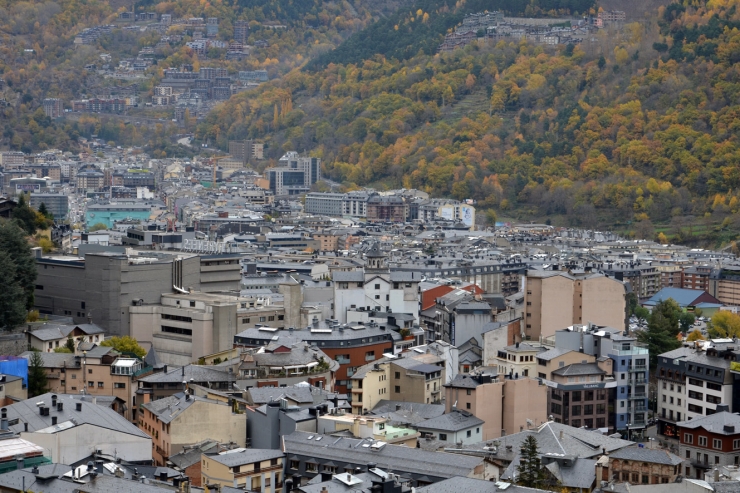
[(638, 368), (637, 348)]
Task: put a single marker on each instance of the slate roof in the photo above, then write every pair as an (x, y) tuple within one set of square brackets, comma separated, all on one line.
[(49, 332), (454, 421), (152, 359), (169, 408), (199, 373), (655, 456), (187, 458), (96, 415), (263, 395), (575, 441), (579, 369), (682, 296), (715, 423), (470, 485), (402, 459), (54, 360), (239, 457), (348, 276), (426, 411), (553, 353), (581, 474)]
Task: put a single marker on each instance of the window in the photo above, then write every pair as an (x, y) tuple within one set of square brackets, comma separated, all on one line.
[(377, 286), (588, 409), (443, 437), (271, 318), (397, 389), (576, 423), (470, 433), (695, 382), (467, 405), (696, 409), (89, 371), (735, 444), (245, 320), (714, 399), (100, 385), (696, 395), (262, 319), (702, 441), (717, 444), (397, 375), (468, 392), (714, 386), (176, 330), (688, 438), (294, 464), (575, 410), (576, 396), (119, 385), (311, 467)]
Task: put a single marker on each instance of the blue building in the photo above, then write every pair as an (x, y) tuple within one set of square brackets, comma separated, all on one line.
[(630, 367)]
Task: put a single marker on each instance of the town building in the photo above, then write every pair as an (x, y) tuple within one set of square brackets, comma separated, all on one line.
[(707, 442), (56, 203), (49, 337), (630, 368), (328, 204), (386, 209), (638, 465), (361, 426), (505, 405), (310, 456), (179, 420), (294, 175), (250, 469), (103, 286), (173, 381), (453, 429), (582, 394), (557, 299), (671, 383), (53, 107)]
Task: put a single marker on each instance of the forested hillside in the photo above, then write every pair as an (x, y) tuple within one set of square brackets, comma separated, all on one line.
[(38, 57), (638, 127)]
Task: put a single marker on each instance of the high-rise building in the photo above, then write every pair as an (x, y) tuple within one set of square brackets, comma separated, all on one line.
[(246, 150), (53, 107), (241, 31), (294, 174)]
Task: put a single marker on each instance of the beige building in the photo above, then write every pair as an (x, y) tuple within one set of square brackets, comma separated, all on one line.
[(518, 360), (12, 389), (506, 406), (550, 360), (407, 378), (554, 300), (102, 371), (48, 337), (250, 469), (174, 422), (185, 327)]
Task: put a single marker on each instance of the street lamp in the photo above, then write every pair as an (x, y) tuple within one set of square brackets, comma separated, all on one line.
[(628, 431)]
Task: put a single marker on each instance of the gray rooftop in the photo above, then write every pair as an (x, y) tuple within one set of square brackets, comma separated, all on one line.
[(721, 423), (245, 456), (403, 459), (454, 421), (655, 456)]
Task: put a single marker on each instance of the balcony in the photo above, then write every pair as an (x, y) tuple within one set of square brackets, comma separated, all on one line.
[(637, 395), (637, 349), (635, 368)]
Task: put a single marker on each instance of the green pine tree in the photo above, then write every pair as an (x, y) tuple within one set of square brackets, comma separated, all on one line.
[(70, 344), (24, 216), (530, 471), (13, 242), (12, 298), (37, 381)]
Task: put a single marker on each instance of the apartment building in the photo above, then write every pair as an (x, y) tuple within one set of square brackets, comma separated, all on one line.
[(53, 107), (557, 299), (505, 405), (386, 208), (582, 394), (636, 465), (630, 367), (671, 383), (249, 469), (409, 377), (556, 358), (725, 285), (12, 159), (102, 371), (327, 204), (696, 277), (177, 421), (645, 280), (707, 442), (709, 381), (518, 360)]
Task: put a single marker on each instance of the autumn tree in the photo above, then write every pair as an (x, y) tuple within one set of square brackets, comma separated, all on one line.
[(724, 324)]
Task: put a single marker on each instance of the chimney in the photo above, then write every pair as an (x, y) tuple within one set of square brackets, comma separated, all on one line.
[(25, 426), (60, 406), (163, 476), (164, 368), (53, 420), (716, 475), (182, 370), (53, 400), (561, 434), (78, 406)]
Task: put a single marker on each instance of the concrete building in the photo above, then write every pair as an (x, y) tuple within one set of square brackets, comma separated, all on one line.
[(557, 299), (386, 208), (556, 358), (169, 381), (518, 360), (56, 203), (108, 214), (53, 107), (185, 327), (327, 204), (103, 286), (266, 424), (179, 420), (361, 426), (250, 469), (246, 151), (709, 441), (12, 159), (630, 367), (72, 430), (506, 406), (294, 174), (709, 381)]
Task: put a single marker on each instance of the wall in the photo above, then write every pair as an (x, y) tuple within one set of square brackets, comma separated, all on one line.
[(484, 402), (604, 302), (375, 387), (205, 420), (556, 307), (78, 443), (524, 398)]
